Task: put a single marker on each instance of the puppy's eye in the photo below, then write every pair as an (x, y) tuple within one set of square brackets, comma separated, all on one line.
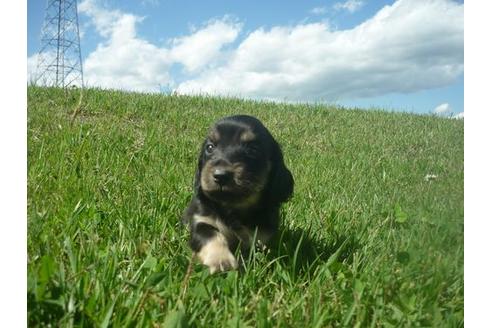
[(209, 148)]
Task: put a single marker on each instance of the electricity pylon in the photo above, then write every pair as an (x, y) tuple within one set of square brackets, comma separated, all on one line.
[(59, 60)]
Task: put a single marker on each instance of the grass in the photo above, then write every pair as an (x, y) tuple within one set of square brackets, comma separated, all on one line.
[(366, 241)]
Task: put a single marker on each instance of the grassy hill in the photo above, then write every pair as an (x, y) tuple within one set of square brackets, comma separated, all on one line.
[(366, 240)]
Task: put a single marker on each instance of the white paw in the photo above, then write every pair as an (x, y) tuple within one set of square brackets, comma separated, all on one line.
[(217, 256)]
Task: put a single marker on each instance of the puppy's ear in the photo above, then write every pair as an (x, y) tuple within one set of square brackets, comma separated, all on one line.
[(281, 184)]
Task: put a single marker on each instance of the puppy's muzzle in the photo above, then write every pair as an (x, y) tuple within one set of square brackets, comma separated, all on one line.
[(222, 176)]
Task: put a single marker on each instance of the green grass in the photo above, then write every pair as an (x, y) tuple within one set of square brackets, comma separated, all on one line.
[(366, 241)]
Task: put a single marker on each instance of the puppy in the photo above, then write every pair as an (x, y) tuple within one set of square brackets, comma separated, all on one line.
[(239, 185)]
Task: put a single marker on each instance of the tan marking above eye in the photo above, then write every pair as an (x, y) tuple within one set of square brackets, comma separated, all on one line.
[(247, 135), (214, 135)]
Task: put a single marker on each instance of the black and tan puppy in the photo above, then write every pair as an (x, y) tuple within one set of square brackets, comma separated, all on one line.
[(240, 183)]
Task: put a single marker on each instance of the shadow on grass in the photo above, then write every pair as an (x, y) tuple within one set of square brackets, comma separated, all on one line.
[(298, 250)]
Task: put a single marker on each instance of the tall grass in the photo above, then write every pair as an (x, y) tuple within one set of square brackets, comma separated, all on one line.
[(366, 241)]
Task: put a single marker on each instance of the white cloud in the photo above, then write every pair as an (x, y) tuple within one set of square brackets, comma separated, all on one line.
[(319, 11), (409, 46), (459, 116), (104, 20), (32, 63), (125, 61), (42, 75), (350, 5), (204, 46), (443, 109)]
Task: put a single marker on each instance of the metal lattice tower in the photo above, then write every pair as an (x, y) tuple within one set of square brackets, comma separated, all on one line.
[(59, 60)]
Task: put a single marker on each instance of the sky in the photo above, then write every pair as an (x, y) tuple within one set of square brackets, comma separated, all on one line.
[(404, 55)]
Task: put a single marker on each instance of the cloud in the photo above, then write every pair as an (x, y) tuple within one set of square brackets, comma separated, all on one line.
[(45, 73), (351, 5), (104, 20), (459, 116), (319, 11), (443, 109), (125, 61), (204, 46), (32, 63), (409, 46)]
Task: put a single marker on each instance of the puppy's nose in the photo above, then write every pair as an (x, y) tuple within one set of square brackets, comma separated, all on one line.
[(222, 176)]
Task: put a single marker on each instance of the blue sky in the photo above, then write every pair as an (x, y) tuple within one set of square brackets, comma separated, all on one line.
[(399, 55)]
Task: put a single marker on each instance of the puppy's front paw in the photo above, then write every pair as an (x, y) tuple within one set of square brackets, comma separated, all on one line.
[(223, 261), (217, 256)]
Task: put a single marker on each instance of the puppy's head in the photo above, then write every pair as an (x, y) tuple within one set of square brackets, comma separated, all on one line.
[(240, 163)]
